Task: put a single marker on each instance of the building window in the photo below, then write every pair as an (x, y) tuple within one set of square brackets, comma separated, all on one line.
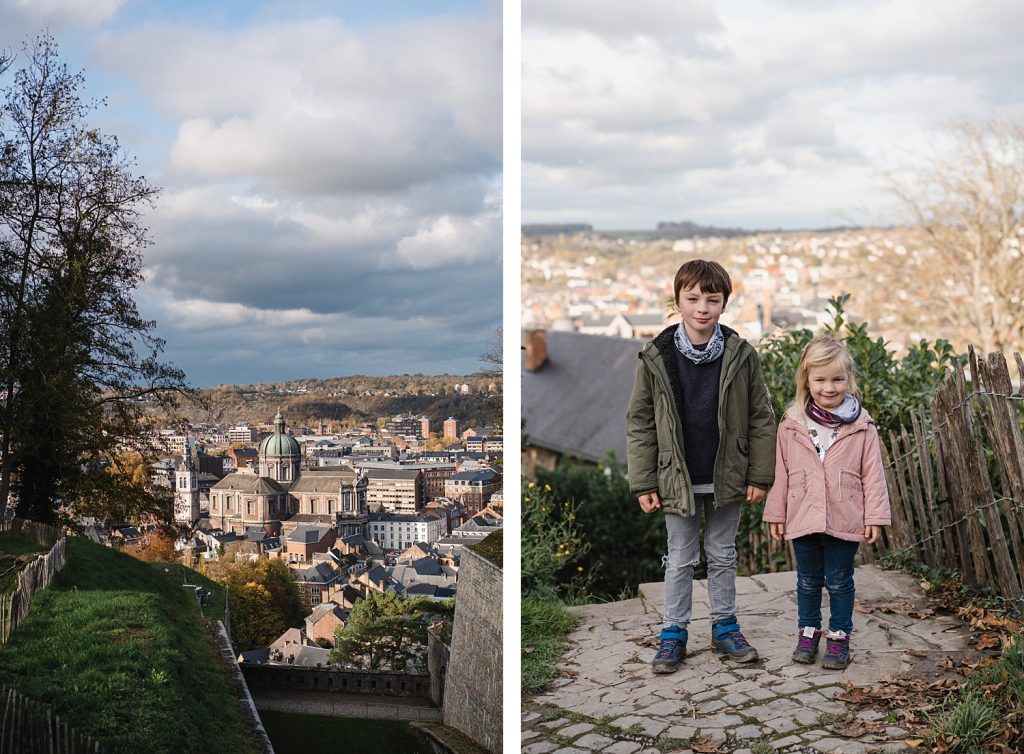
[(248, 507), (314, 595)]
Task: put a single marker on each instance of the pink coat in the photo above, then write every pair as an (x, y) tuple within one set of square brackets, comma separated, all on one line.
[(839, 496)]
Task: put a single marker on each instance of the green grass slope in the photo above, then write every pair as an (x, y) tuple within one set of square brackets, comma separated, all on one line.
[(118, 648)]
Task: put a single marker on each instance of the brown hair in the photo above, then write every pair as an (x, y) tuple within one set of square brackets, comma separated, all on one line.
[(820, 352), (710, 276)]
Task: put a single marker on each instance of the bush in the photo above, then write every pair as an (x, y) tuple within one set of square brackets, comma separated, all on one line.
[(552, 545), (891, 388), (624, 545)]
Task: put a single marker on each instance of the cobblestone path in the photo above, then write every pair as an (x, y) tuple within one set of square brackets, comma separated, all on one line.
[(610, 701)]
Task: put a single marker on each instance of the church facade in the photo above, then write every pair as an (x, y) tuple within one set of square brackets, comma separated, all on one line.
[(283, 495)]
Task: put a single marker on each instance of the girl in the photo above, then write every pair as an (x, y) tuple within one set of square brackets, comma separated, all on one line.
[(829, 494)]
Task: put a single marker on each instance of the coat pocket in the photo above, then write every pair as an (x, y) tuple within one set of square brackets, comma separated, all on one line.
[(850, 514), (668, 477), (742, 444), (796, 488)]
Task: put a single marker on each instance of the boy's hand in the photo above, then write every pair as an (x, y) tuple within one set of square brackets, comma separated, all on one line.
[(755, 494), (649, 502), (777, 530), (872, 533)]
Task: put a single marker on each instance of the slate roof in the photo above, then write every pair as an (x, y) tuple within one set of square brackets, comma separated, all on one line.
[(311, 657), (309, 535), (575, 403), (318, 573), (327, 479), (255, 656), (474, 475), (250, 483), (322, 610)]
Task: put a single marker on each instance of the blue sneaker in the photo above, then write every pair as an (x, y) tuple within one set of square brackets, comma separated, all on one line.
[(671, 650), (726, 637)]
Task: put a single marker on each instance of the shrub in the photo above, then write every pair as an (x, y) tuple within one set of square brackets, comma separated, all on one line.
[(552, 545)]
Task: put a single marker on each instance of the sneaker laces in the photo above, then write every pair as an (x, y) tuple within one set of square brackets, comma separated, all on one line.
[(836, 646), (806, 642), (667, 647), (738, 639)]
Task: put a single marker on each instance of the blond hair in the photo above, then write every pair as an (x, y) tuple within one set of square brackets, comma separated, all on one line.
[(822, 351)]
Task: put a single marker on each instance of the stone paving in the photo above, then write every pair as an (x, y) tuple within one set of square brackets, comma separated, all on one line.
[(608, 699)]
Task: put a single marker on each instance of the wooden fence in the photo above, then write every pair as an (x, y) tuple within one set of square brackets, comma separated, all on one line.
[(43, 534), (35, 576), (30, 727), (956, 480)]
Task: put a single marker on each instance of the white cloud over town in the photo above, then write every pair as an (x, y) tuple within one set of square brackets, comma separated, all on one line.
[(746, 113), (321, 181)]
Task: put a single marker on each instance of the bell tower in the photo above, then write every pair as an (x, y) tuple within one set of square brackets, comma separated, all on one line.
[(186, 491)]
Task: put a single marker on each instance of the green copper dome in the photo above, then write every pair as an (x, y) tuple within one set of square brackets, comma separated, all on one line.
[(279, 444)]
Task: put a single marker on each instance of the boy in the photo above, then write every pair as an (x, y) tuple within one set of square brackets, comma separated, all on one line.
[(700, 440)]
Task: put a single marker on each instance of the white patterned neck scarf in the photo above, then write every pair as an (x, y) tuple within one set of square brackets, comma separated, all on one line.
[(712, 351)]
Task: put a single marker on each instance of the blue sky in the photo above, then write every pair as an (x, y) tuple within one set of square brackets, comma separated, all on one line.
[(330, 175), (750, 113)]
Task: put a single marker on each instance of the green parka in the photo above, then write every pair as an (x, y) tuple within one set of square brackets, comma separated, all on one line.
[(654, 438)]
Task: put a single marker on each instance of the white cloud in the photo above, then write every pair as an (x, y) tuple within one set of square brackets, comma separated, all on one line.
[(763, 99)]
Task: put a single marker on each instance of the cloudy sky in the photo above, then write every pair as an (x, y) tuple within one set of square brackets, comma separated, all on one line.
[(749, 113), (330, 174)]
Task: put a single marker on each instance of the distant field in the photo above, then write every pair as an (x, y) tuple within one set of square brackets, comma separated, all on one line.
[(117, 647), (302, 734), (10, 548)]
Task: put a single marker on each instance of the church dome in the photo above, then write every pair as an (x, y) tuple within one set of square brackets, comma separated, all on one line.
[(280, 444)]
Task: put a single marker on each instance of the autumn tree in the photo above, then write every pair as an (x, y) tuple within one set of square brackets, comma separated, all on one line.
[(75, 355), (264, 601), (967, 203), (386, 631)]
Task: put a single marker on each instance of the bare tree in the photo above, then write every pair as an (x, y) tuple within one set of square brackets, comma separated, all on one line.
[(967, 203)]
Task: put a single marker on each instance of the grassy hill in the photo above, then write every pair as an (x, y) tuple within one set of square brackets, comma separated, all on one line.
[(118, 648)]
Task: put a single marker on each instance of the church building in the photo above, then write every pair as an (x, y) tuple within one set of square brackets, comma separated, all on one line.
[(282, 495)]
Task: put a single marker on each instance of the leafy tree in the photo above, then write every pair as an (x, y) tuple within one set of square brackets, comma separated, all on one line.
[(158, 546), (75, 355), (386, 631), (264, 601)]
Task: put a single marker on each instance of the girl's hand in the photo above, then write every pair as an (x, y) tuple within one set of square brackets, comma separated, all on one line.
[(872, 533), (755, 494), (649, 502), (777, 530)]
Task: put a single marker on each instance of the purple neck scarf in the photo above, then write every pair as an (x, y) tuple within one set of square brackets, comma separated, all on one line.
[(847, 413)]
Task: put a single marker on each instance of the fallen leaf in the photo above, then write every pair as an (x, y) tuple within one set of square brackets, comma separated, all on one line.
[(913, 743), (989, 641)]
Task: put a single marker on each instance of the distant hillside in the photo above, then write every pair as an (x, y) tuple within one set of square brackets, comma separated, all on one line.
[(553, 229), (118, 648), (355, 399)]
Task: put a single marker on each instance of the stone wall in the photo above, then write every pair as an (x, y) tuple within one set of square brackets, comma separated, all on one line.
[(472, 689), (252, 717), (438, 656), (376, 683)]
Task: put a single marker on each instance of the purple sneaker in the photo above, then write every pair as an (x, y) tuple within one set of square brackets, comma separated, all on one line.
[(807, 645), (837, 652)]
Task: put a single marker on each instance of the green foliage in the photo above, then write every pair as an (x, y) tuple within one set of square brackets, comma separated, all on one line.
[(545, 626), (553, 544), (264, 601), (623, 546), (891, 388), (386, 631), (117, 647)]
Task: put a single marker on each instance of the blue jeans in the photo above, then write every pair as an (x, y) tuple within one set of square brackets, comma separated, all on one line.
[(824, 561), (720, 526)]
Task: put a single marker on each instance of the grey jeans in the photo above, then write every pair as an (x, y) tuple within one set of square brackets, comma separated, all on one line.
[(720, 526)]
